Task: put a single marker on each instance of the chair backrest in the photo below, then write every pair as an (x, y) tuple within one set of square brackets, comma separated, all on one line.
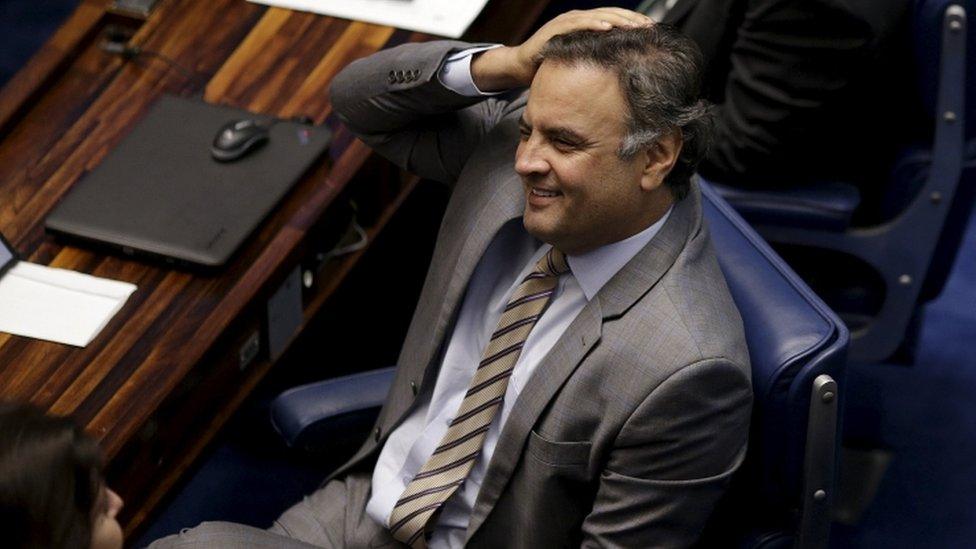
[(793, 337), (927, 201)]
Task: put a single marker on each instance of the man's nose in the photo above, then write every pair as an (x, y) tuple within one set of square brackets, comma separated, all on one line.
[(114, 503), (529, 159)]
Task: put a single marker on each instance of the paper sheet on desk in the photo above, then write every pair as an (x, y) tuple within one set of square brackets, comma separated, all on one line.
[(57, 304), (442, 17)]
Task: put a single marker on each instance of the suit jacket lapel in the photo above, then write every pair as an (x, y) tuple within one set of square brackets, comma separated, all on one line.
[(634, 280), (489, 212), (638, 276)]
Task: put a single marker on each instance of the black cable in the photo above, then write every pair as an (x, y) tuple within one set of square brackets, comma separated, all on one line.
[(127, 52), (169, 60)]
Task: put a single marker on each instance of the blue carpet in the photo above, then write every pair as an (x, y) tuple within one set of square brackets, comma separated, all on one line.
[(925, 415), (240, 482), (24, 26)]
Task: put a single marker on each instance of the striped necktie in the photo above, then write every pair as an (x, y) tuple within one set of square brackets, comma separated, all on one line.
[(453, 459)]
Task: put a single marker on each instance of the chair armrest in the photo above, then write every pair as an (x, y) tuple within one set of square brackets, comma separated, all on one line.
[(821, 458), (312, 416)]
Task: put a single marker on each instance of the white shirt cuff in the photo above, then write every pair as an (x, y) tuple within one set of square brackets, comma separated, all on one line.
[(455, 75)]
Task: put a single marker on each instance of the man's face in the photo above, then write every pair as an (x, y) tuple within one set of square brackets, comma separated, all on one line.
[(579, 193)]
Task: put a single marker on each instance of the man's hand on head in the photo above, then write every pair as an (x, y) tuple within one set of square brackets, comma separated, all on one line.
[(513, 67)]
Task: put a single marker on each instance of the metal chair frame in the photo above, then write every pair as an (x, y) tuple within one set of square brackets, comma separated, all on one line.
[(920, 225)]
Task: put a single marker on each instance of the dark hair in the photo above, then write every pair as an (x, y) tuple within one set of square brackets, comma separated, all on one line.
[(50, 479), (659, 71)]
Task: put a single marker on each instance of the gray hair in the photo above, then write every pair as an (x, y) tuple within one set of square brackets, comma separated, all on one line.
[(659, 72)]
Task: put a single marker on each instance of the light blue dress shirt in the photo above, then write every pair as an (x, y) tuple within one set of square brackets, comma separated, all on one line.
[(511, 256)]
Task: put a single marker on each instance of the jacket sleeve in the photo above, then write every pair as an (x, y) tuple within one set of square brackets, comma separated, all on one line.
[(791, 62), (672, 459), (394, 101)]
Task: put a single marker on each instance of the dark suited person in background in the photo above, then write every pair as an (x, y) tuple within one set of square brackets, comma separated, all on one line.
[(805, 90), (575, 372)]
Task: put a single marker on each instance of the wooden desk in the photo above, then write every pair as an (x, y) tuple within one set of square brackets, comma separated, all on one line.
[(162, 378)]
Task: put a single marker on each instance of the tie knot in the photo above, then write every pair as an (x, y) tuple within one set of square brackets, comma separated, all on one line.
[(553, 263)]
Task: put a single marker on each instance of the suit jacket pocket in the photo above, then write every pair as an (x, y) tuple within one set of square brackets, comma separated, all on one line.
[(558, 454)]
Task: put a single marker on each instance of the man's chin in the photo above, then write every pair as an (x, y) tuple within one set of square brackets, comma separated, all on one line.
[(538, 228)]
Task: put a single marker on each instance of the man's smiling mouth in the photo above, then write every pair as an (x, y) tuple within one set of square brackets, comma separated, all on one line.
[(544, 192)]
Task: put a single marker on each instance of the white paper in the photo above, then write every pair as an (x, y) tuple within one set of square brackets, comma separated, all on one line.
[(57, 304), (442, 17)]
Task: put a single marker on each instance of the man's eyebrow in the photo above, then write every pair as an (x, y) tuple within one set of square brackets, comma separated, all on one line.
[(558, 133), (564, 134)]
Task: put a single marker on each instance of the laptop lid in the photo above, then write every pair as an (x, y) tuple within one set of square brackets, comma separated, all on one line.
[(160, 193)]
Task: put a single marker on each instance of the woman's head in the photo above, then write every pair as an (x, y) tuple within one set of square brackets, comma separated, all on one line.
[(52, 493)]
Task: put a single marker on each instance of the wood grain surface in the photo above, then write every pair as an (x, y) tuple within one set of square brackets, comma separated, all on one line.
[(164, 375)]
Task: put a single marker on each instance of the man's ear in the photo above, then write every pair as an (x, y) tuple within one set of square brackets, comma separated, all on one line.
[(659, 158)]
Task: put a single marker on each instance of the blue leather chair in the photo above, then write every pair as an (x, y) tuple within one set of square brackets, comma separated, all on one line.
[(929, 195), (798, 353)]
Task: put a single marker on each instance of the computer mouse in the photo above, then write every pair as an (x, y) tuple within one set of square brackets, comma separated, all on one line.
[(238, 138)]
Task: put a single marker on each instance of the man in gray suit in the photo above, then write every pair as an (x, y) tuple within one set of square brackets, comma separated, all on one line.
[(618, 408)]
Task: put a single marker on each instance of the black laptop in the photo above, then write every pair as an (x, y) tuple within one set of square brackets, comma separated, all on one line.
[(160, 193)]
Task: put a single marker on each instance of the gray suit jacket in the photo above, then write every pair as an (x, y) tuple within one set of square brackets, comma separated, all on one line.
[(629, 429)]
